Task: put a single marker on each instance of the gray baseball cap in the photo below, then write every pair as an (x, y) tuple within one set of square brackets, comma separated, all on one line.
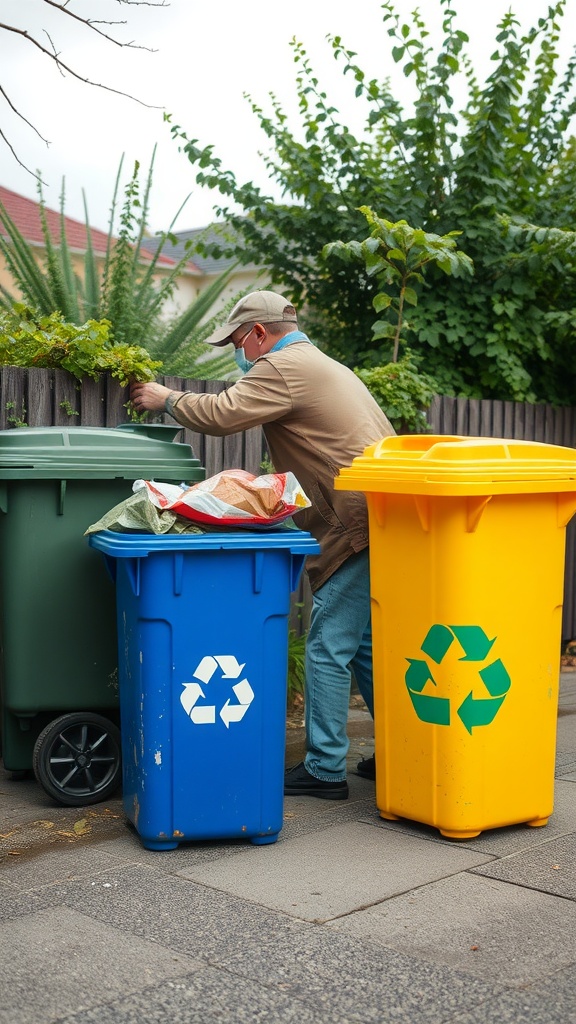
[(261, 307)]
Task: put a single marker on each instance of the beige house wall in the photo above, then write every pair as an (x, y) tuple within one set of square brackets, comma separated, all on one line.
[(7, 281), (189, 285), (190, 288)]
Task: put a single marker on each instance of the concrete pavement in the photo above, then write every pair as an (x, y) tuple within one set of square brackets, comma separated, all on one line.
[(347, 918)]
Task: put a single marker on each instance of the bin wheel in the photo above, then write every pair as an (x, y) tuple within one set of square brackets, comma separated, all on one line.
[(77, 759)]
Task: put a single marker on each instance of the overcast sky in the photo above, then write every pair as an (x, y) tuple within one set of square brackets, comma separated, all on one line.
[(208, 53)]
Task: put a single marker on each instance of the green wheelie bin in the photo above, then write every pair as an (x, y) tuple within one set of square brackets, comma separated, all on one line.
[(59, 663)]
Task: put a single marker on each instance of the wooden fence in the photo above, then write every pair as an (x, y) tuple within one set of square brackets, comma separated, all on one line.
[(473, 417), (42, 398)]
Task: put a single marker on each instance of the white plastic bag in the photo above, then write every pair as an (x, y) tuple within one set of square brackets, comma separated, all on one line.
[(231, 498)]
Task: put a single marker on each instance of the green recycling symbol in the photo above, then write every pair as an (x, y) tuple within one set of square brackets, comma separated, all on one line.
[(473, 711)]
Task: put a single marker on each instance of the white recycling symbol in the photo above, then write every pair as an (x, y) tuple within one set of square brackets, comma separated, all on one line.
[(205, 714)]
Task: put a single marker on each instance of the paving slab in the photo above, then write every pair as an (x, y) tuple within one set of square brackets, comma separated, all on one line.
[(153, 904), (363, 981), (59, 960), (26, 870), (176, 913), (21, 799), (566, 733), (567, 697), (552, 1001), (209, 996), (39, 850), (565, 762), (346, 919), (311, 877), (487, 928), (498, 842), (331, 974), (14, 903), (551, 868)]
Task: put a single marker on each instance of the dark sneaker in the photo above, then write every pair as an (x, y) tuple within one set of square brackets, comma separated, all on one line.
[(367, 768), (299, 782)]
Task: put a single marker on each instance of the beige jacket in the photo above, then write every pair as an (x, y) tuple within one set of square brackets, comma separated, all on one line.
[(317, 416)]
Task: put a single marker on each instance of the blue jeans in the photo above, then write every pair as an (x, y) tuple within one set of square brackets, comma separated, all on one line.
[(339, 640)]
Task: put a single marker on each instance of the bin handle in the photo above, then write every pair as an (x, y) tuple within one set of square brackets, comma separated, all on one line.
[(133, 574), (296, 567), (414, 444), (566, 507), (178, 566), (111, 566), (62, 497), (258, 571)]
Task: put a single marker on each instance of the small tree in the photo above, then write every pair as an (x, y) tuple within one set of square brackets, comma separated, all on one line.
[(506, 153), (396, 256)]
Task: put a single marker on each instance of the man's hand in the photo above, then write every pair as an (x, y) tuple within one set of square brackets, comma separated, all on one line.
[(149, 397)]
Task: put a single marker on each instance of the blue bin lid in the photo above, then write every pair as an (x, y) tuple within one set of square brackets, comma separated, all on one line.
[(94, 453), (140, 545)]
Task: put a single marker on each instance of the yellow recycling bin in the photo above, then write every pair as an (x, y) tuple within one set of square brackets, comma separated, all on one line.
[(467, 544)]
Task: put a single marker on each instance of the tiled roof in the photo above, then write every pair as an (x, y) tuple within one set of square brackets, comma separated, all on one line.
[(218, 233), (26, 215)]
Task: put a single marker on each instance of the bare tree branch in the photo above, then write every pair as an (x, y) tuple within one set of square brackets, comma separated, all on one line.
[(17, 158), (54, 55), (91, 23), (88, 81), (18, 114)]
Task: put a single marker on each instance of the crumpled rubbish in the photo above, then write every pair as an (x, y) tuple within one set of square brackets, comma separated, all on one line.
[(137, 512), (233, 497)]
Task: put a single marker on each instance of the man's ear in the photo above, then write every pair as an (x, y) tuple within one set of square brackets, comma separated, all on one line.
[(260, 332)]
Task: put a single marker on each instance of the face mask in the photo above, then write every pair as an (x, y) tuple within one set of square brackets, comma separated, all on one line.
[(243, 364)]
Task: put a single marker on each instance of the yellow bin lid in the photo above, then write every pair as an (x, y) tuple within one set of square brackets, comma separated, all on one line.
[(448, 465)]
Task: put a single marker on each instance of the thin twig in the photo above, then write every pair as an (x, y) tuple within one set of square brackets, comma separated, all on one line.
[(21, 116), (60, 63), (92, 23), (17, 158)]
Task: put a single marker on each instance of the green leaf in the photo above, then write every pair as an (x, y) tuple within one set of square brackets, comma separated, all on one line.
[(381, 301)]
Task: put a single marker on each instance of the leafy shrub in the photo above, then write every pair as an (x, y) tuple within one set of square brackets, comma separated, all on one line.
[(29, 339), (420, 155), (401, 392)]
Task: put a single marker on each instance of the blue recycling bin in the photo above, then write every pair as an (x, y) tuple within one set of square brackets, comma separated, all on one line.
[(203, 652)]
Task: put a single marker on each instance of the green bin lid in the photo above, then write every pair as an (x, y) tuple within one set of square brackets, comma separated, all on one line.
[(93, 453), (449, 465)]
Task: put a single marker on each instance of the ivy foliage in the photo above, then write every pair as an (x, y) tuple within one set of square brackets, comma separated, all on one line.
[(31, 339), (503, 161)]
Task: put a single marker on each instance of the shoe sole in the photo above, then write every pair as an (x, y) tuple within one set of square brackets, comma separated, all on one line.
[(322, 794), (366, 775)]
